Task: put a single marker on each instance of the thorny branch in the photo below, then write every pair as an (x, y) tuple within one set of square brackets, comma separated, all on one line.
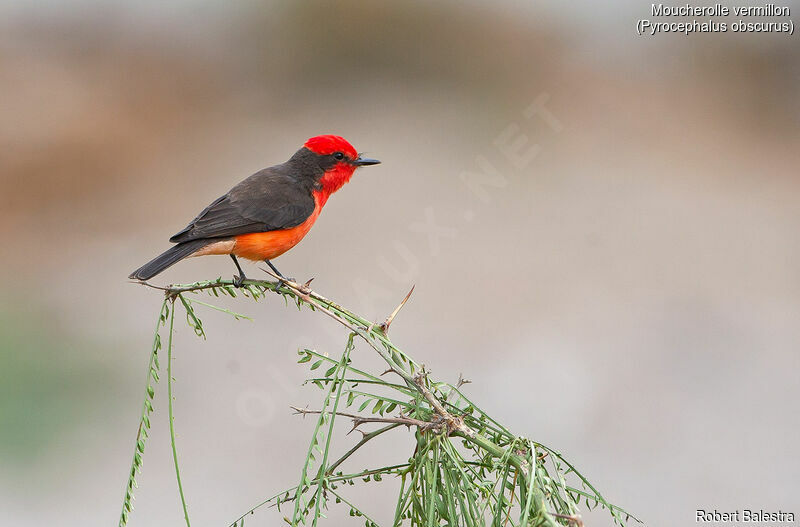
[(359, 420), (376, 337), (435, 416)]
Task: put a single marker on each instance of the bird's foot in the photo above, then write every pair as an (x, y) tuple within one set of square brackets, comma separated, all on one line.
[(238, 281), (283, 281)]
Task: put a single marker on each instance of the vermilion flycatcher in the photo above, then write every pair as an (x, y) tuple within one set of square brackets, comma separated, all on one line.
[(268, 213)]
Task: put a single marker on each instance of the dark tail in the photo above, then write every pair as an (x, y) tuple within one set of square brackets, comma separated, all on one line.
[(169, 257)]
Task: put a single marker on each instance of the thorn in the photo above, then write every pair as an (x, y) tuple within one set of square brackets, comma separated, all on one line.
[(388, 322), (356, 423), (305, 289), (462, 381)]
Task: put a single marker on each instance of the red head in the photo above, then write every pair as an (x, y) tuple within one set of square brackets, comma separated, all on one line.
[(341, 160), (326, 145)]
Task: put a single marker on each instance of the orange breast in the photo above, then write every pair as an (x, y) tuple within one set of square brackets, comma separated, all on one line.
[(269, 245)]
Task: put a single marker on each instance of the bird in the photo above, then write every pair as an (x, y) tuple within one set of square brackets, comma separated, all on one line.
[(269, 212)]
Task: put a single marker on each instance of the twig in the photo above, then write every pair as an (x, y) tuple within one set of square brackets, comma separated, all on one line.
[(359, 420), (175, 290), (461, 382), (364, 439), (316, 481)]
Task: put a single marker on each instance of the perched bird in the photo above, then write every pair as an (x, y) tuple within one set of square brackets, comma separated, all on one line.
[(268, 213)]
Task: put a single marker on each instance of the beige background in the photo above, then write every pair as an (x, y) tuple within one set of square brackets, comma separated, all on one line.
[(629, 294)]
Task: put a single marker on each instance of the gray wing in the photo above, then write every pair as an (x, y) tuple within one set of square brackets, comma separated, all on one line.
[(266, 201)]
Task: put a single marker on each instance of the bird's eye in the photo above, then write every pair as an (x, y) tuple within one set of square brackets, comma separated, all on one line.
[(338, 155)]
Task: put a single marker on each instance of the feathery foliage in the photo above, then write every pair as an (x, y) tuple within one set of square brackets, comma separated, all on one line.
[(463, 468)]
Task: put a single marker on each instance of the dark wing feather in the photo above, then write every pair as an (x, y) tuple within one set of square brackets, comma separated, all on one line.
[(269, 200)]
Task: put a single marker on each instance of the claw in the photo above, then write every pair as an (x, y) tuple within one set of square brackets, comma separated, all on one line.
[(280, 281)]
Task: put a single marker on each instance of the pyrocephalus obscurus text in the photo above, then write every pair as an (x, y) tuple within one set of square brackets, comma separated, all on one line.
[(268, 213)]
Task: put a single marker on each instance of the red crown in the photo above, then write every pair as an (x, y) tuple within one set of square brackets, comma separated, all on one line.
[(328, 144)]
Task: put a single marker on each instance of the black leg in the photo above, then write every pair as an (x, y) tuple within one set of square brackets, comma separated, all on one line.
[(238, 280), (281, 279), (275, 269)]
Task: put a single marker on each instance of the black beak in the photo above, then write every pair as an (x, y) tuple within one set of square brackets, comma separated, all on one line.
[(365, 162)]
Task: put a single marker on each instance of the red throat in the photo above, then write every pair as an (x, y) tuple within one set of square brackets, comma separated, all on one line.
[(333, 180)]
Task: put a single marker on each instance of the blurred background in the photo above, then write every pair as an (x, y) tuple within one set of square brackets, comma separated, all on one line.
[(601, 227)]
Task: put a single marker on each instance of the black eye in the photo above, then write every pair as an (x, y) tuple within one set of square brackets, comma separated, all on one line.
[(338, 155)]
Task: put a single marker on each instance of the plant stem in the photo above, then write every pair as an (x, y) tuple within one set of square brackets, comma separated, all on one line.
[(172, 414), (144, 420), (321, 486)]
